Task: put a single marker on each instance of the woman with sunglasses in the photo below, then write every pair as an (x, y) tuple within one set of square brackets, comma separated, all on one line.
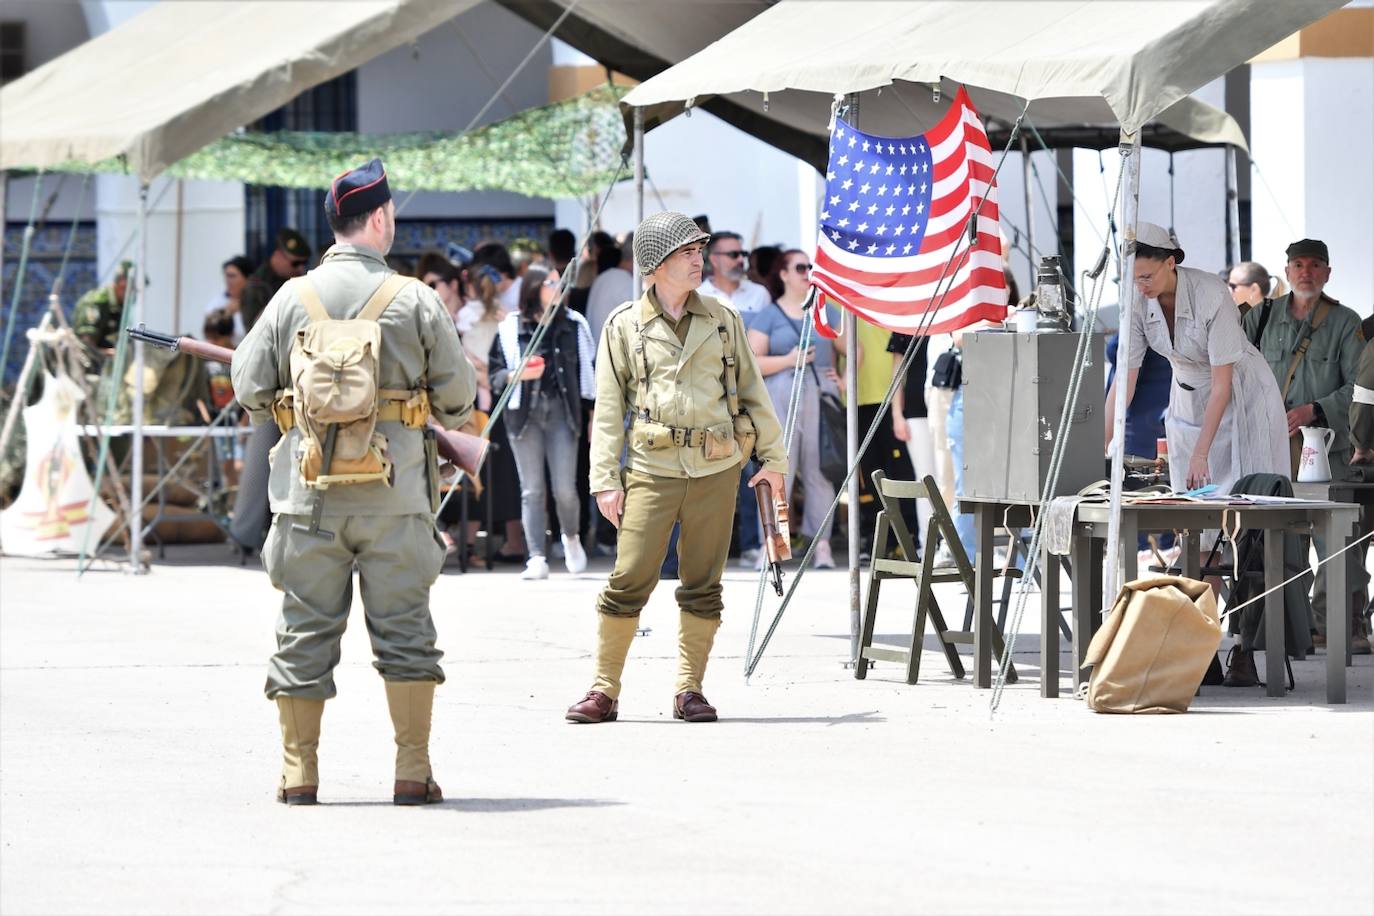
[(1226, 417), (545, 415), (774, 336)]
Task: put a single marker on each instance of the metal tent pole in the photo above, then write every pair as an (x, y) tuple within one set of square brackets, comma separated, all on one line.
[(136, 450), (638, 288), (850, 329), (1232, 207), (1130, 216), (1030, 212)]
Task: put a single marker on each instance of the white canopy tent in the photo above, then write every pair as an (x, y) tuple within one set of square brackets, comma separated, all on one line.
[(147, 91), (1061, 61)]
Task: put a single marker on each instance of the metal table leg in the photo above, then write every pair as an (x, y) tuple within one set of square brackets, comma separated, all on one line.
[(1337, 609), (985, 519), (1049, 624), (1273, 613)]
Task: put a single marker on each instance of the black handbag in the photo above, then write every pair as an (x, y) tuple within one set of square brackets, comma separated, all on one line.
[(834, 453), (949, 370)]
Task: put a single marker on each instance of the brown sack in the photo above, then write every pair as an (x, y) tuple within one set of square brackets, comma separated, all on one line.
[(1154, 647)]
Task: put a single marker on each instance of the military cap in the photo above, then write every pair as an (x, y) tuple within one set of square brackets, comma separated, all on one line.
[(662, 234), (1158, 237), (359, 190), (293, 243), (1308, 248)]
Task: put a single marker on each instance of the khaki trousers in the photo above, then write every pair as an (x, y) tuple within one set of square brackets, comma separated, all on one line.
[(705, 507), (398, 557)]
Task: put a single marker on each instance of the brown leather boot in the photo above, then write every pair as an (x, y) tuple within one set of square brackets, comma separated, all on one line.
[(693, 707), (594, 707), (1240, 668)]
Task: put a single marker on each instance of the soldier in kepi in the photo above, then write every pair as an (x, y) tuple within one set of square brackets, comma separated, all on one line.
[(350, 361), (679, 362)]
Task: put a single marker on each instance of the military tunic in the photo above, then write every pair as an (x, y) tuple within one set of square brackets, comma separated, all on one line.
[(668, 483), (1252, 437), (1326, 374), (96, 317), (386, 531)]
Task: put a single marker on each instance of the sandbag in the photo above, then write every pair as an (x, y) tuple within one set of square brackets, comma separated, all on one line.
[(1154, 647)]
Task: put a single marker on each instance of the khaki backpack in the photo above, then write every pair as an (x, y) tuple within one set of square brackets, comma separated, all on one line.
[(334, 391)]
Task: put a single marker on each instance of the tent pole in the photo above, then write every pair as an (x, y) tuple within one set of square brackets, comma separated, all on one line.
[(1130, 216), (1030, 212), (850, 330), (1232, 207), (638, 287), (136, 449)]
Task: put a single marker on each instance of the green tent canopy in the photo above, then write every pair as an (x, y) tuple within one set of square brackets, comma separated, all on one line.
[(567, 149)]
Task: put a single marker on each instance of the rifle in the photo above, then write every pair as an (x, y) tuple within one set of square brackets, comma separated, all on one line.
[(463, 450), (777, 544)]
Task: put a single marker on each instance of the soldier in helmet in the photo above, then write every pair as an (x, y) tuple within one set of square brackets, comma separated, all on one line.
[(680, 363)]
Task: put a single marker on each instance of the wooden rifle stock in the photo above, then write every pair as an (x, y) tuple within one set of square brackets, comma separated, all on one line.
[(777, 544), (464, 450)]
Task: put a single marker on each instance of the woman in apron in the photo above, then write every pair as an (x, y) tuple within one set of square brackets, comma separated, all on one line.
[(1225, 417)]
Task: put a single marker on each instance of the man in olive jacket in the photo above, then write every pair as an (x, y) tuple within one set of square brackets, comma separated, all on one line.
[(671, 359)]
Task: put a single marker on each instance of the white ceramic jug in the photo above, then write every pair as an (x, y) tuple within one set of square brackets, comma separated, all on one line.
[(1314, 466)]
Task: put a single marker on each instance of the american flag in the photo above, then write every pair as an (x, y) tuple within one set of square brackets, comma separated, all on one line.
[(895, 210)]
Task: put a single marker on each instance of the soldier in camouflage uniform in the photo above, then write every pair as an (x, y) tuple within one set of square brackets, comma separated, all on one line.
[(97, 315)]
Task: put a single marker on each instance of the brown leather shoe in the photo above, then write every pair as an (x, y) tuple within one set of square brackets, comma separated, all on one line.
[(1240, 668), (410, 792), (693, 707), (297, 795), (594, 707)]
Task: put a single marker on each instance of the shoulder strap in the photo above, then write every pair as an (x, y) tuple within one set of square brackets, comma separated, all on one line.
[(1323, 309), (642, 372), (730, 368), (1265, 309), (385, 293), (309, 298)]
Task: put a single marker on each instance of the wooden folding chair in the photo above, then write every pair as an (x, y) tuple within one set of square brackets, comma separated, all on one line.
[(925, 574)]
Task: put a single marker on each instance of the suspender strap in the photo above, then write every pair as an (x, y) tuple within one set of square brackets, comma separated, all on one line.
[(642, 371), (730, 373), (1306, 341), (383, 296), (309, 298)]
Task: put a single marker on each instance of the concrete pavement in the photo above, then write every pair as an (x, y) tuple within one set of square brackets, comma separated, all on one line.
[(138, 759)]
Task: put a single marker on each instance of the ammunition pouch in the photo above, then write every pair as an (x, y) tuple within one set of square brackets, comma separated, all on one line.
[(720, 442), (650, 435), (397, 405)]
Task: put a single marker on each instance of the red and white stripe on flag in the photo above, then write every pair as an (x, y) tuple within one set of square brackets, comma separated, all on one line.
[(895, 211)]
